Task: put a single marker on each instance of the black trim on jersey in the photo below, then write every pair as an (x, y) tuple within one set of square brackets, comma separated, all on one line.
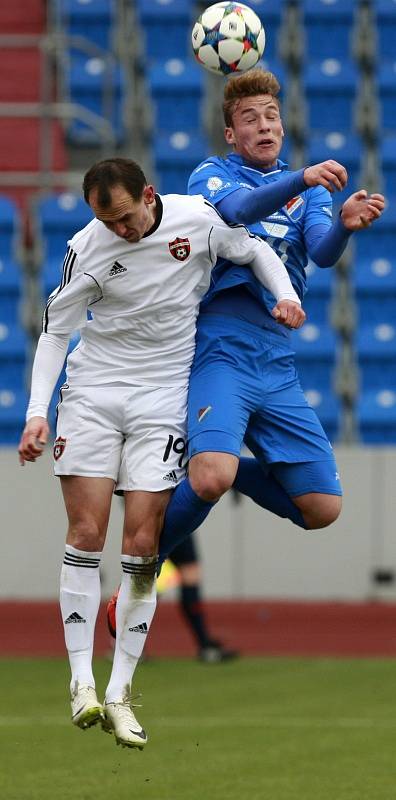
[(209, 248), (64, 386), (159, 210), (234, 224), (88, 274), (68, 264)]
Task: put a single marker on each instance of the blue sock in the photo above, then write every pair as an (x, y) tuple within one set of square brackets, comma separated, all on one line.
[(186, 512), (266, 491)]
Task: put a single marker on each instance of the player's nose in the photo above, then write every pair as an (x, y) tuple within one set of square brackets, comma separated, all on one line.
[(120, 228)]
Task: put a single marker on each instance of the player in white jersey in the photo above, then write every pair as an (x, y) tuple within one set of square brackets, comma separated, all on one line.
[(141, 268)]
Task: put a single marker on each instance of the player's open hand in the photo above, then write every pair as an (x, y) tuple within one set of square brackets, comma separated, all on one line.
[(33, 439), (330, 174), (289, 313), (361, 209)]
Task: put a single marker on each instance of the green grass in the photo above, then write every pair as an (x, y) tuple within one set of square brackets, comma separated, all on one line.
[(254, 729)]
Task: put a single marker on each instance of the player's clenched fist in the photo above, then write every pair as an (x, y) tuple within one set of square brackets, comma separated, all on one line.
[(288, 313), (33, 439), (329, 174)]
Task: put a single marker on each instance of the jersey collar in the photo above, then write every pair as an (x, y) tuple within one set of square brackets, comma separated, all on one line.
[(237, 159), (159, 210)]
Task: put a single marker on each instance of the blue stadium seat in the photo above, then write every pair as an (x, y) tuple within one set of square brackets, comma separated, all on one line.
[(57, 218), (344, 147), (315, 347), (378, 241), (167, 27), (376, 353), (376, 416), (99, 86), (330, 90), (9, 226), (177, 90), (92, 19), (328, 27), (385, 17), (10, 291), (388, 163), (13, 405), (386, 82), (13, 354), (375, 290), (319, 293), (328, 409), (175, 157)]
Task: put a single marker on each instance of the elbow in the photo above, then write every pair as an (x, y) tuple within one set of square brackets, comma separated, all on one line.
[(321, 260)]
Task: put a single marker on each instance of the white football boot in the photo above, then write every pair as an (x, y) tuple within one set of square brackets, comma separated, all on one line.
[(85, 706), (120, 720)]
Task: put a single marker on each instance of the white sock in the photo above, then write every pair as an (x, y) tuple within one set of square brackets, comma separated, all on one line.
[(79, 602), (136, 604)]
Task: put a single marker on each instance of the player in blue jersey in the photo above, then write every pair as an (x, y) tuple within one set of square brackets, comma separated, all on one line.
[(243, 385)]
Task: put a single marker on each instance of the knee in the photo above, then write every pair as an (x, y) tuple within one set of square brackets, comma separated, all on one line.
[(86, 535), (322, 511), (210, 485), (142, 543)]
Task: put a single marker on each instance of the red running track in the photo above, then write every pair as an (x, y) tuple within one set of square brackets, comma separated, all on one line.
[(253, 627)]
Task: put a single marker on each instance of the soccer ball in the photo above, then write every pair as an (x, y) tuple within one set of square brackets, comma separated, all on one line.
[(228, 37)]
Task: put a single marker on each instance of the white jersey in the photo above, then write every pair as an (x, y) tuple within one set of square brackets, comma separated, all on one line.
[(144, 297)]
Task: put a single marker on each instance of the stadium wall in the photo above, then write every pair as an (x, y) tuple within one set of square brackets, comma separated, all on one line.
[(246, 552)]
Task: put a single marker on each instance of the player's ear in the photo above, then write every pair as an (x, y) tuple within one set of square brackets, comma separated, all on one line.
[(229, 135), (149, 194)]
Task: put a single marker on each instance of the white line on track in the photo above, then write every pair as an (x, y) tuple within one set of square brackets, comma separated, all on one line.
[(218, 722)]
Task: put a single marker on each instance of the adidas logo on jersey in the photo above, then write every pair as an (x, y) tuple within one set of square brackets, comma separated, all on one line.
[(74, 617), (171, 476), (117, 269), (142, 628)]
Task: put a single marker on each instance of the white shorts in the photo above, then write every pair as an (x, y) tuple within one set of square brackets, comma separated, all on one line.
[(135, 435)]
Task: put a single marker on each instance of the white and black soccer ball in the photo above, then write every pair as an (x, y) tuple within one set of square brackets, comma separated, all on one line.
[(228, 38)]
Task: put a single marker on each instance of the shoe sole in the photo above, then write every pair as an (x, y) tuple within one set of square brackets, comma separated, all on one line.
[(108, 728), (89, 718)]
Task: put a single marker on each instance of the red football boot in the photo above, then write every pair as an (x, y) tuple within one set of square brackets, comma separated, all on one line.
[(111, 614)]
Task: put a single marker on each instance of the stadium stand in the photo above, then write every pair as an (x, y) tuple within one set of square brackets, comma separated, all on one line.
[(335, 61), (176, 154), (317, 301), (376, 414), (315, 347), (375, 289), (376, 353), (91, 19), (328, 28), (330, 90)]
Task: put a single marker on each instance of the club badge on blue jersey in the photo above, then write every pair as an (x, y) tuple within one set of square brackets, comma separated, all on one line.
[(294, 208)]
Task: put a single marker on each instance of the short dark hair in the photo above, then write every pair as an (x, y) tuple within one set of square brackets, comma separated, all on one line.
[(114, 172), (249, 84)]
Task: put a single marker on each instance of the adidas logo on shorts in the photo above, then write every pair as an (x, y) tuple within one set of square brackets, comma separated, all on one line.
[(171, 476)]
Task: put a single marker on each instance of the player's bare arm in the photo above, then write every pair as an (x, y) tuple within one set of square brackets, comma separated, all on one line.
[(33, 439), (361, 209), (289, 313), (329, 174)]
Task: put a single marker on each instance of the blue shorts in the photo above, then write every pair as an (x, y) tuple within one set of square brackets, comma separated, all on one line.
[(244, 388)]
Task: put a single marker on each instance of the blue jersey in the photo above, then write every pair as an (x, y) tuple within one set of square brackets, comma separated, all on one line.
[(284, 230)]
